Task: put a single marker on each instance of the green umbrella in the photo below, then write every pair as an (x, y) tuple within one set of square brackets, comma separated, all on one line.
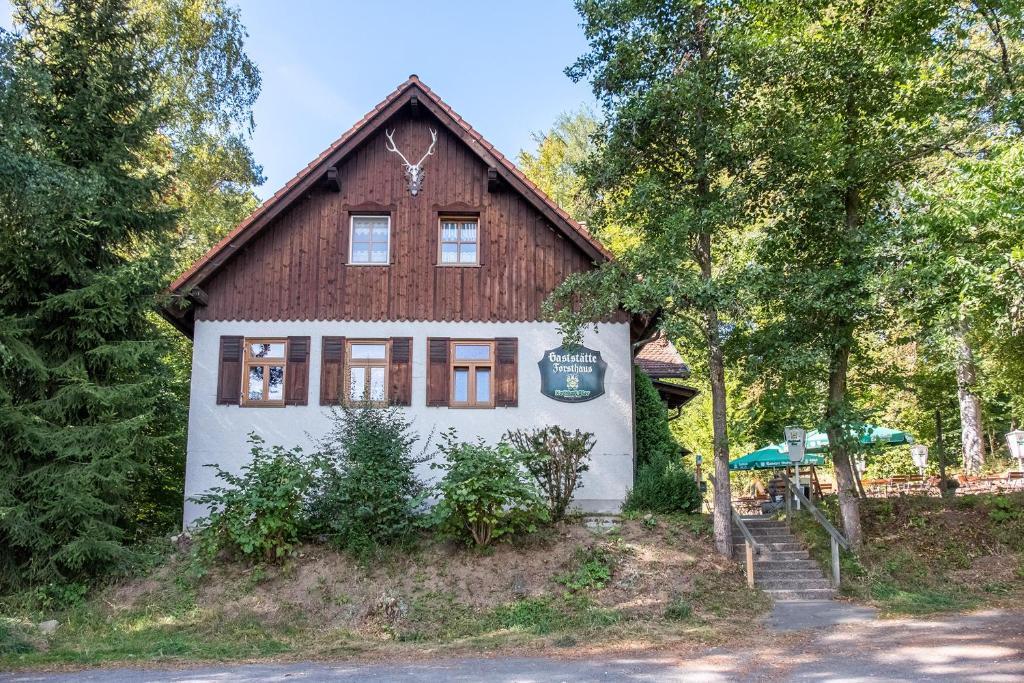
[(776, 455), (770, 457), (817, 442)]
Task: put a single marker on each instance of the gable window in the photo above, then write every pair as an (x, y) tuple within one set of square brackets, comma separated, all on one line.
[(366, 363), (370, 241), (459, 242), (263, 374), (472, 374)]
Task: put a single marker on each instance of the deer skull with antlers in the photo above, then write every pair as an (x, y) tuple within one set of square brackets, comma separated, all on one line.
[(414, 172)]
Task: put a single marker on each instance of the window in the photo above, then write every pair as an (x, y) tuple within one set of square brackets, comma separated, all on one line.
[(472, 384), (459, 242), (263, 374), (370, 243), (366, 363)]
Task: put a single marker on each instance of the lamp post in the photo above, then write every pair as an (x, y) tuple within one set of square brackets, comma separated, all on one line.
[(1015, 441), (919, 453), (795, 437)]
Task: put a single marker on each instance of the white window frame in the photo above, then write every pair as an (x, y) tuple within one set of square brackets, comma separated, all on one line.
[(351, 242)]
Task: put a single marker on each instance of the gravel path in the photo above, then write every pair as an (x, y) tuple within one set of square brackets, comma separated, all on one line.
[(986, 647)]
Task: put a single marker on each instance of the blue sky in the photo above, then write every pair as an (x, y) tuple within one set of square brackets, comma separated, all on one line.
[(325, 64)]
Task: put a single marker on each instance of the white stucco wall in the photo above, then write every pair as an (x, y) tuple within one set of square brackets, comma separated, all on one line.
[(217, 433)]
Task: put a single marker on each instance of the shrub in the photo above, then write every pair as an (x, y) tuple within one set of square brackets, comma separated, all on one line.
[(653, 436), (485, 492), (556, 458), (367, 491), (260, 512), (663, 485), (593, 570)]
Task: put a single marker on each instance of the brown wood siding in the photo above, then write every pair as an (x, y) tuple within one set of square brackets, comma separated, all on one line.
[(296, 268)]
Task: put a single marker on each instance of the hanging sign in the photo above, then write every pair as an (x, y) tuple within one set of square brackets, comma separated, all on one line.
[(572, 374)]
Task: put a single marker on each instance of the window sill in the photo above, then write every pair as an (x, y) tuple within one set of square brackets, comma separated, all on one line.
[(369, 265), (459, 265), (275, 404)]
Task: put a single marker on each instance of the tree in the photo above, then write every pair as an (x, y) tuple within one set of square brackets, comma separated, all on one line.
[(85, 232), (557, 165), (856, 96), (666, 72)]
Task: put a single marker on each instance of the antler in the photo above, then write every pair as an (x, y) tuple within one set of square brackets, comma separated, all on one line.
[(430, 150), (391, 147)]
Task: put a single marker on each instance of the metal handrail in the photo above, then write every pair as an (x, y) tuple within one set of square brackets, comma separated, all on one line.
[(836, 537), (751, 546)]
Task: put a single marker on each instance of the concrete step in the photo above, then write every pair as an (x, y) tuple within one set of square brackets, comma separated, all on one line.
[(792, 584), (790, 565), (810, 594), (773, 538), (783, 555), (786, 573), (740, 548)]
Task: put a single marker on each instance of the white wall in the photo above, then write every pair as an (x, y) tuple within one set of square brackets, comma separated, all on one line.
[(217, 433)]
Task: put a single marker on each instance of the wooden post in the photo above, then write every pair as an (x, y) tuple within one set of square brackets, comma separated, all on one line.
[(944, 490), (789, 505), (835, 562), (750, 563)]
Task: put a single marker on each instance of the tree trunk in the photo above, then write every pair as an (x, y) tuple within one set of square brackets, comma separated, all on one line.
[(970, 405), (716, 372), (849, 504)]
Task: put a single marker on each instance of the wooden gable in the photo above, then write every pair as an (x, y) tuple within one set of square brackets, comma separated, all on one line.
[(290, 260)]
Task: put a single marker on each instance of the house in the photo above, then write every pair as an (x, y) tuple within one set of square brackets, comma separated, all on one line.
[(405, 266)]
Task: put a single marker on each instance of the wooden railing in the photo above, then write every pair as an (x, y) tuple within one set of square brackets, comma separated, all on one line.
[(751, 546), (837, 538)]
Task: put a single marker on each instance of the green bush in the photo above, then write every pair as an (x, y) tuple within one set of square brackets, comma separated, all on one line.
[(661, 483), (259, 514), (367, 492), (653, 436), (593, 570), (556, 458), (485, 492)]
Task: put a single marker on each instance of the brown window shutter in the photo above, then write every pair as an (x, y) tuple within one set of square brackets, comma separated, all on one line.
[(296, 373), (506, 372), (437, 371), (332, 364), (400, 372), (229, 371)]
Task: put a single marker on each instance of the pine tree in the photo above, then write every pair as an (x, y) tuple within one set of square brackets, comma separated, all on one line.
[(84, 233)]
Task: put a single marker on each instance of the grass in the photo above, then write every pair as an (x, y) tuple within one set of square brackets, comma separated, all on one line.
[(925, 555)]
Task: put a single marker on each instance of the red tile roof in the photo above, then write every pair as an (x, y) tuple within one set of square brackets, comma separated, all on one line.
[(319, 165), (659, 359)]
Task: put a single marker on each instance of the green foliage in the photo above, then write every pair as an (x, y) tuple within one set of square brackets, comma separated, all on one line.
[(556, 458), (260, 513), (663, 485), (367, 492), (652, 435), (678, 609), (12, 640), (593, 570), (485, 492), (85, 232), (556, 166)]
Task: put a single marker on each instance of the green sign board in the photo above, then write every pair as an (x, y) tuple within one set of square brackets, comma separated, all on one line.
[(572, 374)]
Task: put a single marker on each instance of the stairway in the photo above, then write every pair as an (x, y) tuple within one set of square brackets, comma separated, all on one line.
[(784, 570)]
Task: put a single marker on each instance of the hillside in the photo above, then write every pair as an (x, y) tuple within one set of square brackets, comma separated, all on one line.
[(924, 555), (643, 582)]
